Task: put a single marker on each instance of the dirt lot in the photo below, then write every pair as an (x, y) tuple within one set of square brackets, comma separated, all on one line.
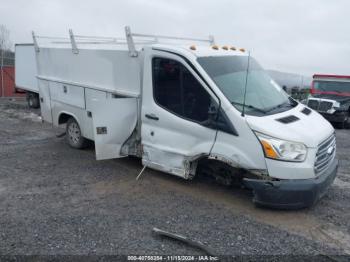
[(56, 200)]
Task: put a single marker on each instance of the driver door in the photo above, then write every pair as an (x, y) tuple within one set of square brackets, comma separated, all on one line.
[(175, 114)]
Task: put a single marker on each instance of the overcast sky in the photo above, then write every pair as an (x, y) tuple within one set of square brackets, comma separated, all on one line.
[(307, 37)]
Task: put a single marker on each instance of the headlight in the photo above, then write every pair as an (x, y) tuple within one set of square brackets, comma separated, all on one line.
[(275, 148)]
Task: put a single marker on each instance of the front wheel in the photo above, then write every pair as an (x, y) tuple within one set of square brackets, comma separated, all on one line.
[(73, 134)]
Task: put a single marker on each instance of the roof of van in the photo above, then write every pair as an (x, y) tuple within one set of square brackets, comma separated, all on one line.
[(200, 50), (196, 50)]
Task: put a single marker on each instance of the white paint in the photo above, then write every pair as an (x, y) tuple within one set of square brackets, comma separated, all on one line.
[(67, 94), (243, 150), (92, 75), (298, 131), (107, 70), (170, 140), (25, 69), (310, 130), (79, 114), (119, 117), (45, 100)]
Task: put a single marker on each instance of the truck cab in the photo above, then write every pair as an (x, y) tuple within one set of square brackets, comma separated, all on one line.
[(257, 129), (185, 110), (330, 96)]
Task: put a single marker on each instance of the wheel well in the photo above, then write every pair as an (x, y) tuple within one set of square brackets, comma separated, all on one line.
[(221, 171), (63, 118), (31, 94)]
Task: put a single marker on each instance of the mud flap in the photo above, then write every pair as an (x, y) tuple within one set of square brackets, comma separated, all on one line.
[(114, 120)]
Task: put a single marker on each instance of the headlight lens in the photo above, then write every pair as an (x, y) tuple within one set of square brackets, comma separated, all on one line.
[(275, 148)]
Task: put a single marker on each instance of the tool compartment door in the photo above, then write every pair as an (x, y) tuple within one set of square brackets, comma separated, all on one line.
[(114, 119), (45, 100)]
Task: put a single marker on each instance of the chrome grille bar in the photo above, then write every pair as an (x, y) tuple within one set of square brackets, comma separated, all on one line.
[(323, 158)]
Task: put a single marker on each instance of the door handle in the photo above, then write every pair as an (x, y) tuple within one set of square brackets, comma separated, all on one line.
[(152, 116)]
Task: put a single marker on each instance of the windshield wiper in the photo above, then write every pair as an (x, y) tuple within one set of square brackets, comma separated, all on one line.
[(278, 106), (250, 106)]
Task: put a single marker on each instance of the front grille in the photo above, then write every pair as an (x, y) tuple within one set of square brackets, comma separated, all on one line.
[(313, 104), (322, 106), (323, 156), (325, 106)]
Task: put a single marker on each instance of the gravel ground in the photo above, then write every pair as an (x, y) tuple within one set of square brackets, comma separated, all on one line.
[(56, 200)]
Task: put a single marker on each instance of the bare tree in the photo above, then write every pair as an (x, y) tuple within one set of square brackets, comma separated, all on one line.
[(5, 45)]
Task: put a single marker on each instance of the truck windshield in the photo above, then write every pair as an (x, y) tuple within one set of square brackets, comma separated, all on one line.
[(332, 86), (263, 94)]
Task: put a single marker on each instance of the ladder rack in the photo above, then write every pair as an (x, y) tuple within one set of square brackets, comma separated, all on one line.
[(131, 39)]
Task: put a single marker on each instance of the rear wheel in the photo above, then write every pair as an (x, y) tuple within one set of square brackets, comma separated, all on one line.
[(73, 134), (33, 100)]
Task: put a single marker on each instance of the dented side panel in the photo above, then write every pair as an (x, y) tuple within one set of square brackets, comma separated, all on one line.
[(242, 151), (237, 153), (176, 160)]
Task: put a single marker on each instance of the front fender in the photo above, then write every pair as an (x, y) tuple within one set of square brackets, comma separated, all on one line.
[(239, 152)]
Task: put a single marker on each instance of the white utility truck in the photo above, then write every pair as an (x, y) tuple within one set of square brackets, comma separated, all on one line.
[(25, 73), (184, 108)]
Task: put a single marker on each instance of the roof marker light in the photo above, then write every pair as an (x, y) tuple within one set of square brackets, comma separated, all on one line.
[(215, 47), (242, 50), (225, 47), (233, 48), (193, 47)]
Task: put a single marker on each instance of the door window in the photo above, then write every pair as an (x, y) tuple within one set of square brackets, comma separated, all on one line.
[(178, 91)]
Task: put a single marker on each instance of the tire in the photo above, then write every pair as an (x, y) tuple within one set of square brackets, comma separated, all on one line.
[(346, 123), (73, 134), (33, 100)]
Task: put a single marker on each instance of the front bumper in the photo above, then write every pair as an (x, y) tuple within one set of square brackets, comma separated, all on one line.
[(293, 193)]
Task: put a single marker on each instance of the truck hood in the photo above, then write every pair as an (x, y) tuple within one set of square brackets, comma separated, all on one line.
[(309, 129)]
